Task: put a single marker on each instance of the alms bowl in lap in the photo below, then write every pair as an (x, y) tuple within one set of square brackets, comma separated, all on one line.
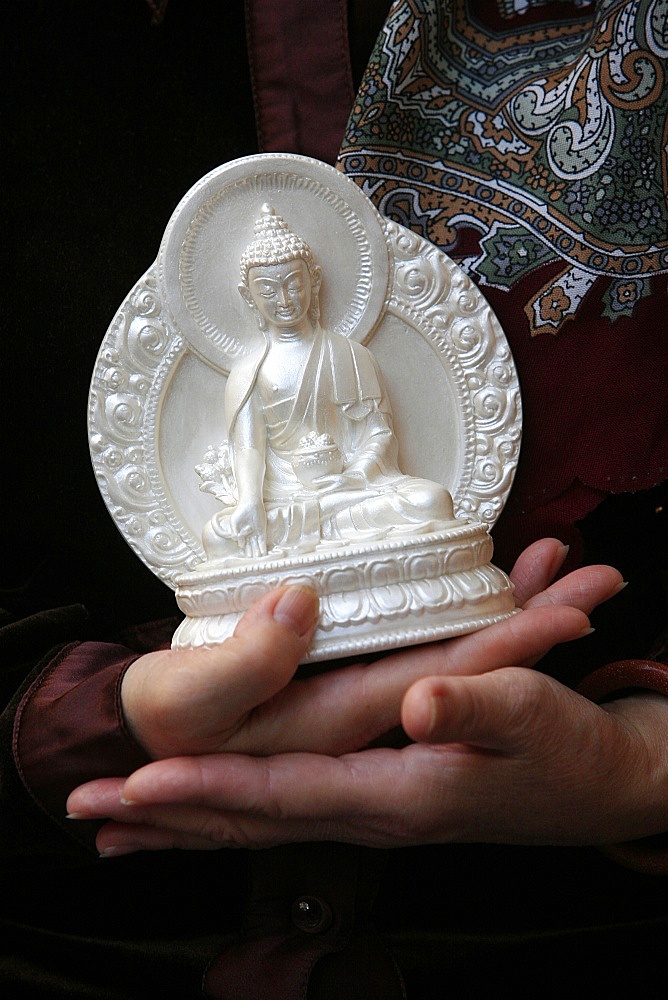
[(300, 390)]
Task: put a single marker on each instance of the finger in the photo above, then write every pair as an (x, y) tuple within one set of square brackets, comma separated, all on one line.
[(284, 787), (521, 639), (262, 654), (585, 589), (379, 798), (536, 567), (507, 710), (357, 704), (95, 799), (228, 830), (135, 826), (257, 545), (116, 839), (252, 546)]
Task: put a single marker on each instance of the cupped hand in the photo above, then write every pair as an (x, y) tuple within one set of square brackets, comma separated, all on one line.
[(308, 724), (523, 760)]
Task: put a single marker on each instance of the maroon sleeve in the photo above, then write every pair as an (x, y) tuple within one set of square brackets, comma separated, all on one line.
[(69, 727)]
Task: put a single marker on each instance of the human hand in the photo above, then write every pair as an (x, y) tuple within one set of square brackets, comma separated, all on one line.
[(238, 696), (365, 703), (527, 764)]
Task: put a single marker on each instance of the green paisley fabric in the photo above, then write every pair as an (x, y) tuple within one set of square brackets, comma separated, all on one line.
[(529, 140), (546, 137)]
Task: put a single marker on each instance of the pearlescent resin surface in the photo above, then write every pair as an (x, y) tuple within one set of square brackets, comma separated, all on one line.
[(299, 390)]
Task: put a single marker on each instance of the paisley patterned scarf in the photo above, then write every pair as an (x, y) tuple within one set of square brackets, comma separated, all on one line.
[(528, 140)]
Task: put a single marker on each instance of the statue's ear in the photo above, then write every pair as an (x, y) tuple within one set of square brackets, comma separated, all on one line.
[(316, 279), (244, 291)]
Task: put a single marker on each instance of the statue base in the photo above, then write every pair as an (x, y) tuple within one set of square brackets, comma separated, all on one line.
[(374, 596)]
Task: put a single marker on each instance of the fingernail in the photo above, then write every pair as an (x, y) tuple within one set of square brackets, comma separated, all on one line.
[(620, 587), (297, 608), (76, 816), (585, 632), (560, 557), (119, 851)]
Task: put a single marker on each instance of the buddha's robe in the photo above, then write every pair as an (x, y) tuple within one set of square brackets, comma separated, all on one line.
[(340, 394)]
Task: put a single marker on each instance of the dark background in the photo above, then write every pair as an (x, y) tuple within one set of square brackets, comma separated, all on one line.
[(108, 121)]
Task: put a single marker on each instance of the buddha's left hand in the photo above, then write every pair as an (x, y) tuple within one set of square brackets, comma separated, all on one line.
[(348, 480), (502, 752)]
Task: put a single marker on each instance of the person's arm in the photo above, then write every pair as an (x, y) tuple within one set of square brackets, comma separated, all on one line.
[(69, 725), (60, 722)]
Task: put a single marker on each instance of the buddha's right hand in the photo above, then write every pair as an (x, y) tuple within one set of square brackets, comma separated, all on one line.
[(249, 524)]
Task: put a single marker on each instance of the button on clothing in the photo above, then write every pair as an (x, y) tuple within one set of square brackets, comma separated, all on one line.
[(311, 915)]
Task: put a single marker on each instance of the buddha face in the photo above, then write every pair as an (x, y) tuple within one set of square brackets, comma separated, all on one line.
[(280, 292)]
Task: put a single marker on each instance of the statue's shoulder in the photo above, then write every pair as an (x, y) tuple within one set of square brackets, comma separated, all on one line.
[(354, 370), (340, 344), (246, 369), (240, 383), (361, 356)]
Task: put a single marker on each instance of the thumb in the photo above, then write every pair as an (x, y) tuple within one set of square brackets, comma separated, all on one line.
[(499, 710), (191, 700), (270, 640)]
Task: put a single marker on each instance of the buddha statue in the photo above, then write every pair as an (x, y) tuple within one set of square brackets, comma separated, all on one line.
[(311, 457)]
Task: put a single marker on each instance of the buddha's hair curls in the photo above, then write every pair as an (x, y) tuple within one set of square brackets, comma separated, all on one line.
[(274, 243)]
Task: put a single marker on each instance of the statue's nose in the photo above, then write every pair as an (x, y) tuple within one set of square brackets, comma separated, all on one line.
[(283, 296)]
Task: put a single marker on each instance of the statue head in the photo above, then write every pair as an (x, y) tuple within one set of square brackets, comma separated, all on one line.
[(279, 277)]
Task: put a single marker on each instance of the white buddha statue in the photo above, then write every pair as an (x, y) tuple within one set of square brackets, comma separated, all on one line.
[(311, 458)]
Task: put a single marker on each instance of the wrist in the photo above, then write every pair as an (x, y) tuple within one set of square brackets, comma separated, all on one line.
[(132, 698), (616, 687)]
